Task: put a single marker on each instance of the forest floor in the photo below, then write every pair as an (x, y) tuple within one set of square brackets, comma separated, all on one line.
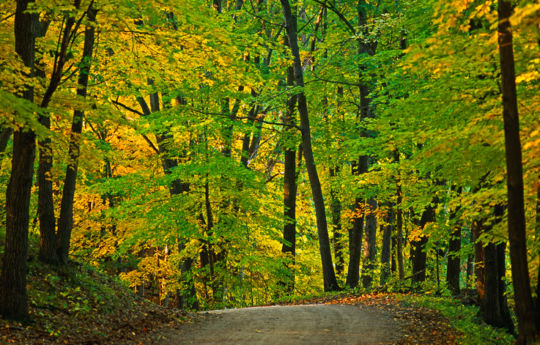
[(81, 306), (368, 319)]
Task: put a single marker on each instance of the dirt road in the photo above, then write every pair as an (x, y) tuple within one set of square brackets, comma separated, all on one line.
[(283, 325)]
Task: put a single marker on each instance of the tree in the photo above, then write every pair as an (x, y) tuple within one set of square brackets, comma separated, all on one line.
[(13, 295), (330, 282), (65, 222), (516, 214)]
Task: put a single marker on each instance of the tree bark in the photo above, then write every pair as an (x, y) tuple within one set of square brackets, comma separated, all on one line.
[(65, 222), (516, 209), (13, 295), (329, 277)]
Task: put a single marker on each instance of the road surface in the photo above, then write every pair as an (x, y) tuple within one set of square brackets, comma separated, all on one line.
[(282, 325)]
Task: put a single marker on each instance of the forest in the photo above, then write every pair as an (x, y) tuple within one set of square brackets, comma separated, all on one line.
[(213, 154)]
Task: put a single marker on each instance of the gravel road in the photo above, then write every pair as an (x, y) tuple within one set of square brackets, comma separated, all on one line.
[(282, 325)]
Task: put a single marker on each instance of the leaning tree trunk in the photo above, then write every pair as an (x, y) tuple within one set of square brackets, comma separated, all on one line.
[(13, 296), (516, 210), (329, 277), (65, 222)]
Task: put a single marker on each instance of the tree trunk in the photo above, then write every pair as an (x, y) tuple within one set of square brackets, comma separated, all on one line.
[(453, 268), (65, 222), (289, 191), (494, 307), (516, 209), (386, 250), (13, 295), (329, 277), (418, 252), (370, 245)]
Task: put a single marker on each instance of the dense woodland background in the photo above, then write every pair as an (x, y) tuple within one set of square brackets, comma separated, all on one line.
[(235, 152)]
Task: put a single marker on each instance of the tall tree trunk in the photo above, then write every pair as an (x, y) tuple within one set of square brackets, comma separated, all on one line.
[(516, 209), (453, 269), (389, 220), (65, 222), (289, 191), (370, 245), (13, 296), (329, 277)]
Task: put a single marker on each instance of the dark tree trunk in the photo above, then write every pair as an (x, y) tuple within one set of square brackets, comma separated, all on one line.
[(289, 191), (370, 245), (453, 268), (389, 220), (494, 307), (516, 210), (65, 222), (13, 296), (330, 282), (418, 250)]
